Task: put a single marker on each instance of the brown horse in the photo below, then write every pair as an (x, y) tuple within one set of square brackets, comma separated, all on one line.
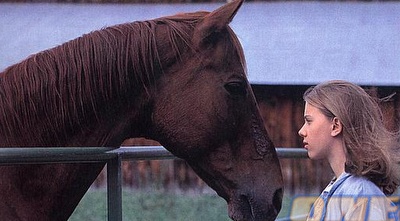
[(179, 80)]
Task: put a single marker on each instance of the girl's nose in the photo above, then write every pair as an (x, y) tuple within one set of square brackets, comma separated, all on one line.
[(301, 132)]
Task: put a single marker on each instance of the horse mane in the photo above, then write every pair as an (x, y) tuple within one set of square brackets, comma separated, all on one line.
[(71, 84)]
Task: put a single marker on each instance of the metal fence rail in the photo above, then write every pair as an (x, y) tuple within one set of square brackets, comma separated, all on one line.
[(112, 156)]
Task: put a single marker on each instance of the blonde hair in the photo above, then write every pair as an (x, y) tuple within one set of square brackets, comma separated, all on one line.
[(371, 149)]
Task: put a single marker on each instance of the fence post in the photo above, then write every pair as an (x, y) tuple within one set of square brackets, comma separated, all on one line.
[(114, 188)]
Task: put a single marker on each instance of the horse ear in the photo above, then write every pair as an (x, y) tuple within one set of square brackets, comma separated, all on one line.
[(216, 21)]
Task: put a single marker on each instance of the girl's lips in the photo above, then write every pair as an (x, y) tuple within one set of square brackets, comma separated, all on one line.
[(305, 145)]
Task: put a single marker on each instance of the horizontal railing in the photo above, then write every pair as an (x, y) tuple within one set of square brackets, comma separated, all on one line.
[(111, 156), (32, 155)]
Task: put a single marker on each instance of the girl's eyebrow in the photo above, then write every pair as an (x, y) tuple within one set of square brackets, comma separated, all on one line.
[(307, 117)]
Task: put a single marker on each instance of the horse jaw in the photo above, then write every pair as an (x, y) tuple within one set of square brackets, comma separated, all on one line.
[(250, 191), (242, 170)]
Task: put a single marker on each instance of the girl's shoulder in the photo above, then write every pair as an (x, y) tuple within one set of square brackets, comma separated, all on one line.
[(358, 186)]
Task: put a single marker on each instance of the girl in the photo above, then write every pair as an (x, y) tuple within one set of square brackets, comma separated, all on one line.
[(344, 125)]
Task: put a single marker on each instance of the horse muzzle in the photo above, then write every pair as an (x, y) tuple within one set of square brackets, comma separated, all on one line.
[(253, 208)]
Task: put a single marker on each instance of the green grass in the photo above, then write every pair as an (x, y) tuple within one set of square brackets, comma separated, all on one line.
[(156, 206)]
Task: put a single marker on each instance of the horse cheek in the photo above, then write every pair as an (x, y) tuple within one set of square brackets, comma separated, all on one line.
[(179, 126)]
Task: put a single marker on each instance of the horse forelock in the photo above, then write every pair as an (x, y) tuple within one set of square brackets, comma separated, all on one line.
[(63, 86)]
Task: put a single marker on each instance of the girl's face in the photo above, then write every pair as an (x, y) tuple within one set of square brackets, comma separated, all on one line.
[(317, 133)]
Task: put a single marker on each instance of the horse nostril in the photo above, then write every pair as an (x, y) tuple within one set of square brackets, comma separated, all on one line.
[(277, 199)]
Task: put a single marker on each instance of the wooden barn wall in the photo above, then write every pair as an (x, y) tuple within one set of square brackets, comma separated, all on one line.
[(282, 110)]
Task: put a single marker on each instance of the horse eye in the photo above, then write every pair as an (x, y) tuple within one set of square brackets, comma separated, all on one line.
[(236, 88)]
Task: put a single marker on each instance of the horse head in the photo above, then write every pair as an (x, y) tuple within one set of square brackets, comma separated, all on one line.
[(206, 113)]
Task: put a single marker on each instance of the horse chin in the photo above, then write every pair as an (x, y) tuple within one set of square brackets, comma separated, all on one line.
[(244, 208)]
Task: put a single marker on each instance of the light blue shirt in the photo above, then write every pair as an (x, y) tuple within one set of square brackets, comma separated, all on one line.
[(355, 198)]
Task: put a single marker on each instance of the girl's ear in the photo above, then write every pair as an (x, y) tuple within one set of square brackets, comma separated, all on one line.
[(337, 127)]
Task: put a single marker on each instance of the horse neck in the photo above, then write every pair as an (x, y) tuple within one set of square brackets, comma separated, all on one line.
[(84, 88)]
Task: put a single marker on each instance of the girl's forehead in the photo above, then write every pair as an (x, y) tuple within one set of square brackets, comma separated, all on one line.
[(310, 110)]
